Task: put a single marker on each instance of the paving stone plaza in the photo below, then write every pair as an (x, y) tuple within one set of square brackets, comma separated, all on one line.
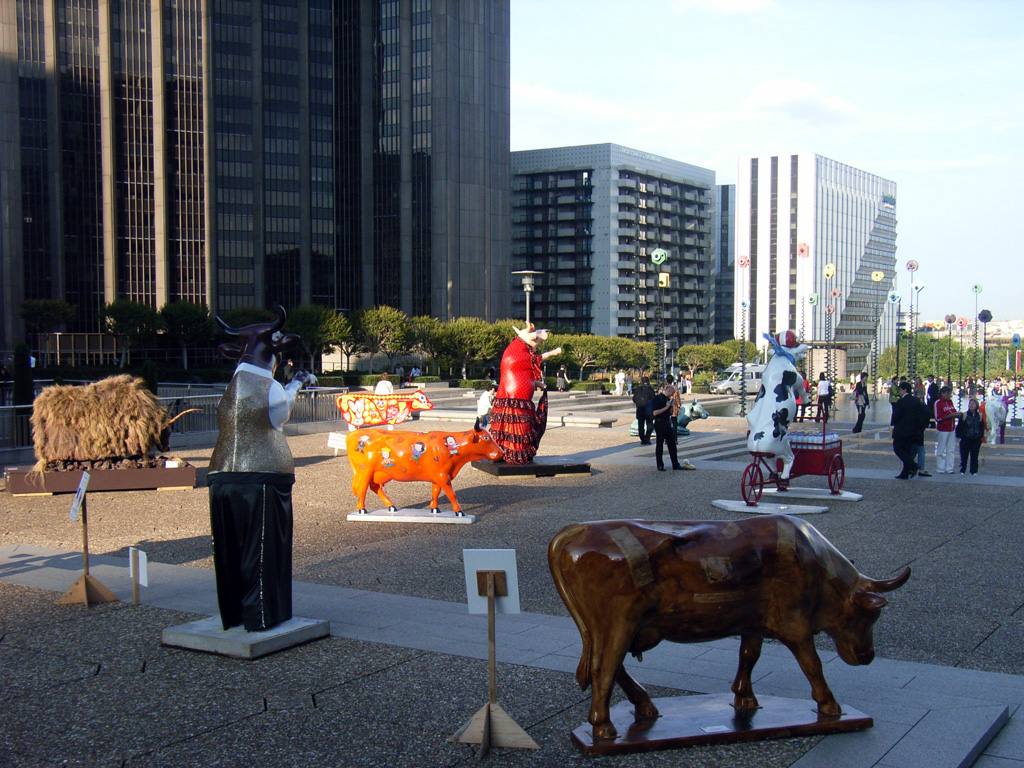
[(405, 667)]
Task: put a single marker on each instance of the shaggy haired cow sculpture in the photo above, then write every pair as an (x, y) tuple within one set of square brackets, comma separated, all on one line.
[(116, 417)]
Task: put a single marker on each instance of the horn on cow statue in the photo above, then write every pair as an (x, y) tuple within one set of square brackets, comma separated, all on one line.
[(281, 317), (887, 585), (225, 327)]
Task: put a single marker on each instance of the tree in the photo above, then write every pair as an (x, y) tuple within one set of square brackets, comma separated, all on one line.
[(347, 340), (734, 348), (46, 315), (187, 323), (383, 329), (703, 357), (320, 328), (585, 349), (466, 340), (131, 322), (425, 336)]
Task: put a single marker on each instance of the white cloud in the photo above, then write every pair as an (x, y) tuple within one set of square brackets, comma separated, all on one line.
[(799, 100)]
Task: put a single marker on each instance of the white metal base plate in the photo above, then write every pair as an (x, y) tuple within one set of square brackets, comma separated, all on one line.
[(738, 505), (411, 515)]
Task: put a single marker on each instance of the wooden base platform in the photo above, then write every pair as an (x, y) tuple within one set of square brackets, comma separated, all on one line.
[(546, 466), (19, 484), (688, 721)]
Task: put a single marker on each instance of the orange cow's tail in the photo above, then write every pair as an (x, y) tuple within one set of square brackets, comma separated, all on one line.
[(555, 550)]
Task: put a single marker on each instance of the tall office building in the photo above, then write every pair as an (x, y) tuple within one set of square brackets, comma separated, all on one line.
[(816, 254), (590, 218), (254, 152), (724, 277)]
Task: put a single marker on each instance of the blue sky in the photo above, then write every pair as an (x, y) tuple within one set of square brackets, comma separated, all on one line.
[(928, 94)]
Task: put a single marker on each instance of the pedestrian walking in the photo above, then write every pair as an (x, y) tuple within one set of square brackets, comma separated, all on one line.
[(824, 397), (562, 379), (924, 420), (620, 383), (484, 405), (664, 426), (970, 431), (905, 425), (861, 400), (945, 438), (643, 395)]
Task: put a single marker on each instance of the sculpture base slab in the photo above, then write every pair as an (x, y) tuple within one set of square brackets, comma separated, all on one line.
[(151, 478), (209, 636), (411, 515), (547, 466), (688, 721), (737, 505), (824, 494)]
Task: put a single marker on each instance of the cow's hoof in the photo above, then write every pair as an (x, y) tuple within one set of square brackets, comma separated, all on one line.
[(434, 511), (362, 512), (458, 513), (745, 702), (645, 710), (392, 508), (830, 708), (605, 731)]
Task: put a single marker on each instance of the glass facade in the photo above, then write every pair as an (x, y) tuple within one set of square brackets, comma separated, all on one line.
[(589, 218), (838, 229), (254, 152)]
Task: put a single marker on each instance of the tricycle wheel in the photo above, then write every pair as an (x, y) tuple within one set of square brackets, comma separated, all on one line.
[(752, 483), (836, 474)]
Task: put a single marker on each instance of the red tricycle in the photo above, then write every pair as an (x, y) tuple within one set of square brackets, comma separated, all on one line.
[(813, 454)]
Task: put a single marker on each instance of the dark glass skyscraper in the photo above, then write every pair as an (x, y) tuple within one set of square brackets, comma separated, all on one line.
[(253, 152)]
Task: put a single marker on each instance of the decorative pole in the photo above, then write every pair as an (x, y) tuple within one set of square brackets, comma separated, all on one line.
[(950, 319), (975, 289), (961, 323), (985, 317), (876, 277), (743, 262)]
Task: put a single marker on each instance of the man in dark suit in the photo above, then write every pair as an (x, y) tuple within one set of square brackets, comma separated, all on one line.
[(905, 426), (930, 396)]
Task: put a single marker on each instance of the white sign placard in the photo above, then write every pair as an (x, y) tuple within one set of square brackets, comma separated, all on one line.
[(143, 571), (491, 560), (79, 495), (336, 440)]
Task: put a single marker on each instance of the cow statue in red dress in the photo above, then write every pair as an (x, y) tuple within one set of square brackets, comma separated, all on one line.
[(517, 425)]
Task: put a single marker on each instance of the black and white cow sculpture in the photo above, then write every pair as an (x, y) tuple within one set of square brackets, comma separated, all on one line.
[(775, 405)]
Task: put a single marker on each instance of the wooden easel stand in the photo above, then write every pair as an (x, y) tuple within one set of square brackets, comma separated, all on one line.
[(87, 589), (491, 725)]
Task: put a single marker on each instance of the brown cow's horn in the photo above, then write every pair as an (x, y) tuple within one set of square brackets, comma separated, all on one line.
[(225, 327), (887, 585), (190, 410), (281, 317)]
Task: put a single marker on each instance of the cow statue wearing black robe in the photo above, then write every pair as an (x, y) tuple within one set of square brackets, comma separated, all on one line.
[(250, 479)]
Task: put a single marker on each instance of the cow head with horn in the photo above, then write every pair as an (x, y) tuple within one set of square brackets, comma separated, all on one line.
[(260, 344)]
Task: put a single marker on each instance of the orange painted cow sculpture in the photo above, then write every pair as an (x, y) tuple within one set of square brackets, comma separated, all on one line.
[(378, 456)]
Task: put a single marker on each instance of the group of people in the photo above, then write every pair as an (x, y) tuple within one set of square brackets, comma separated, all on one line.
[(655, 413), (916, 406)]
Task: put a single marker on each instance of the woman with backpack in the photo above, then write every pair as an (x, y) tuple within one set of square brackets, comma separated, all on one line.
[(970, 430)]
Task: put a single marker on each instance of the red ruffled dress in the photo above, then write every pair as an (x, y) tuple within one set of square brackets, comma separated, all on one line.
[(516, 425)]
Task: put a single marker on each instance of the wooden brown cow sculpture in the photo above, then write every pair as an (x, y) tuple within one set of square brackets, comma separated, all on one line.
[(629, 584), (378, 456)]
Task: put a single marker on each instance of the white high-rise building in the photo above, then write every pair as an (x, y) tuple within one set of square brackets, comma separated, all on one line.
[(815, 253)]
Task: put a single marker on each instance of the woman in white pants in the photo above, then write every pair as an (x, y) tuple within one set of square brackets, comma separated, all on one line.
[(945, 422)]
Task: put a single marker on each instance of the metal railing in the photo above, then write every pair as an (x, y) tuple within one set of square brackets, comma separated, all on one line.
[(311, 406)]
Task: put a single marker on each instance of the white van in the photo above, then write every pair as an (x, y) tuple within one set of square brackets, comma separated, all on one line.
[(729, 383)]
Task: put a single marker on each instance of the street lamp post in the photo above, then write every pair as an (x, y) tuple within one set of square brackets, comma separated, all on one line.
[(528, 284), (914, 300), (975, 289)]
